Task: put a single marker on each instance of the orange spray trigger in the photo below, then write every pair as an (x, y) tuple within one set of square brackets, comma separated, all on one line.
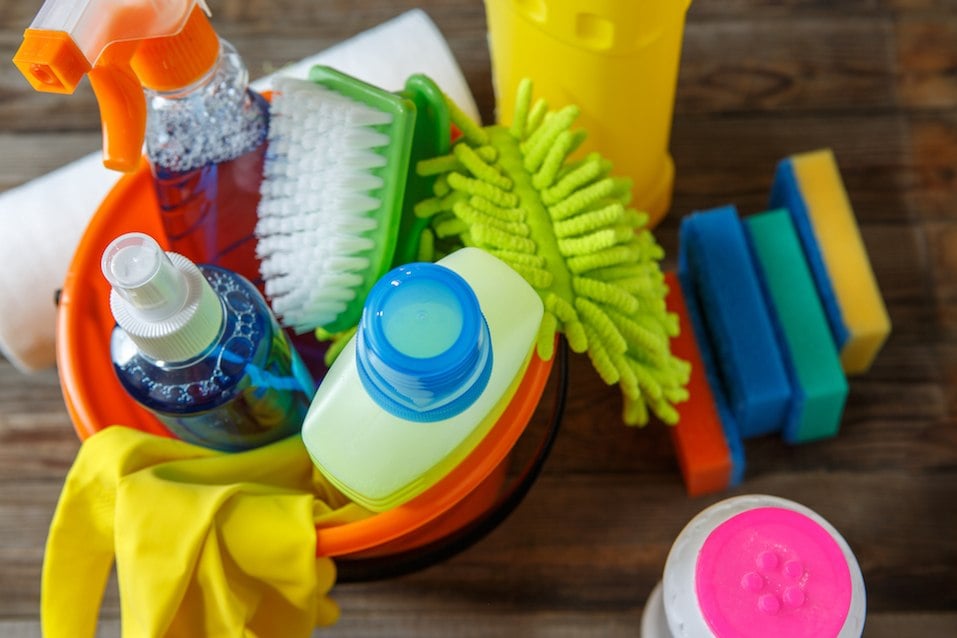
[(122, 107), (123, 45)]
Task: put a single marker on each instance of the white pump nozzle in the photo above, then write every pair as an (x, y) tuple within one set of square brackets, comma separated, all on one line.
[(162, 300), (144, 276)]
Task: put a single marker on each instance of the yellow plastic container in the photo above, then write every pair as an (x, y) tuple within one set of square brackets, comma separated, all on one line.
[(616, 59)]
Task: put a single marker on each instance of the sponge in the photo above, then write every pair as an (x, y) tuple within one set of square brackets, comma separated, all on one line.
[(811, 358), (715, 265), (706, 439), (809, 185)]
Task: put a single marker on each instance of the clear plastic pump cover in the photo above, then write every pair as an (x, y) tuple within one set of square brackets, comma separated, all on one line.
[(161, 300), (140, 272)]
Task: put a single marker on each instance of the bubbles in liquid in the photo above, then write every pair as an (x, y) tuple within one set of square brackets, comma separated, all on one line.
[(217, 121)]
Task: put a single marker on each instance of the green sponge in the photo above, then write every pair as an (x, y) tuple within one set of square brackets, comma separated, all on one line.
[(811, 358)]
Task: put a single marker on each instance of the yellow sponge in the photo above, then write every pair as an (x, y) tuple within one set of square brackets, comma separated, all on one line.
[(809, 185)]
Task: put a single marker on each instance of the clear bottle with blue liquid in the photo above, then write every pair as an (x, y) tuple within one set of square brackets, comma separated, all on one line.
[(200, 349)]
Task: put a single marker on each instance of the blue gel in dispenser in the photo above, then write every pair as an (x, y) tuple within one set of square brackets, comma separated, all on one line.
[(199, 348), (423, 351)]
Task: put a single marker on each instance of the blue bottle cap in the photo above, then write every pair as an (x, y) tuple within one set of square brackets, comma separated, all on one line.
[(423, 350)]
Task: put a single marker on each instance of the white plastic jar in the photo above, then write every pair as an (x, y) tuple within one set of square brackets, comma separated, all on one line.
[(757, 566)]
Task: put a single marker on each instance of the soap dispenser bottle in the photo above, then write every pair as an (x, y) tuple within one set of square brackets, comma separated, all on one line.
[(199, 348), (162, 75), (437, 356)]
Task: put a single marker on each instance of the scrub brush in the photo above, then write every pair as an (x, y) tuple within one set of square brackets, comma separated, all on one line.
[(566, 227), (332, 195)]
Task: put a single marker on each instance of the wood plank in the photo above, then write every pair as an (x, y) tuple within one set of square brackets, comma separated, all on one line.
[(888, 161), (926, 58), (481, 624), (599, 542), (735, 9), (36, 436), (539, 559), (581, 625), (26, 156), (798, 64)]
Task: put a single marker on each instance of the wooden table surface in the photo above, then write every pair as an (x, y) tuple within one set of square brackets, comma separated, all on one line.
[(876, 80)]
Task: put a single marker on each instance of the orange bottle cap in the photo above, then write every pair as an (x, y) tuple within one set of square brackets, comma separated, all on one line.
[(173, 62)]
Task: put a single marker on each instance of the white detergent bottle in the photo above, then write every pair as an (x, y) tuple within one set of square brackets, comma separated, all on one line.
[(437, 356), (756, 566)]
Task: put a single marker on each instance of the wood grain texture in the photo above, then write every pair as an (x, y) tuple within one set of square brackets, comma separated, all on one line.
[(876, 80)]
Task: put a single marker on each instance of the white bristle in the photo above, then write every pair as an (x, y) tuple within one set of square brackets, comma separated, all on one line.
[(318, 198)]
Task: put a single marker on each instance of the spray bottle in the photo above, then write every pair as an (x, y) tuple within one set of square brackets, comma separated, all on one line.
[(199, 348), (161, 74)]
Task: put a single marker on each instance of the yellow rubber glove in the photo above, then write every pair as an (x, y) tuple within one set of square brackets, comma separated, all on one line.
[(206, 544)]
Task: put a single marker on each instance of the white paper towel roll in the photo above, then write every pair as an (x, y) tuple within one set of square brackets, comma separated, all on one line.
[(41, 222)]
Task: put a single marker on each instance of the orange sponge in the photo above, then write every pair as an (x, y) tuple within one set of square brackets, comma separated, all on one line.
[(699, 438)]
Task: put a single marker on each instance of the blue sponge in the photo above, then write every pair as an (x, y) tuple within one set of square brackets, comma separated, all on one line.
[(786, 193), (718, 274), (729, 426)]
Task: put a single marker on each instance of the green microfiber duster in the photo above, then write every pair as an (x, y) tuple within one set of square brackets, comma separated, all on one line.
[(566, 227)]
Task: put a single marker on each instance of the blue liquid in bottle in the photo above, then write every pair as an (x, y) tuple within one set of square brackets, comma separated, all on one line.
[(242, 385)]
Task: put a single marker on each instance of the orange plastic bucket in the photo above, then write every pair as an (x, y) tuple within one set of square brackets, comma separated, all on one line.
[(95, 399)]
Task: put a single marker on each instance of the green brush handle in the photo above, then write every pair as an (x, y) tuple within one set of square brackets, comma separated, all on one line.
[(431, 138)]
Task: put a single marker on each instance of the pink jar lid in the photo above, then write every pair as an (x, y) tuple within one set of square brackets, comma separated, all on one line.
[(772, 571)]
